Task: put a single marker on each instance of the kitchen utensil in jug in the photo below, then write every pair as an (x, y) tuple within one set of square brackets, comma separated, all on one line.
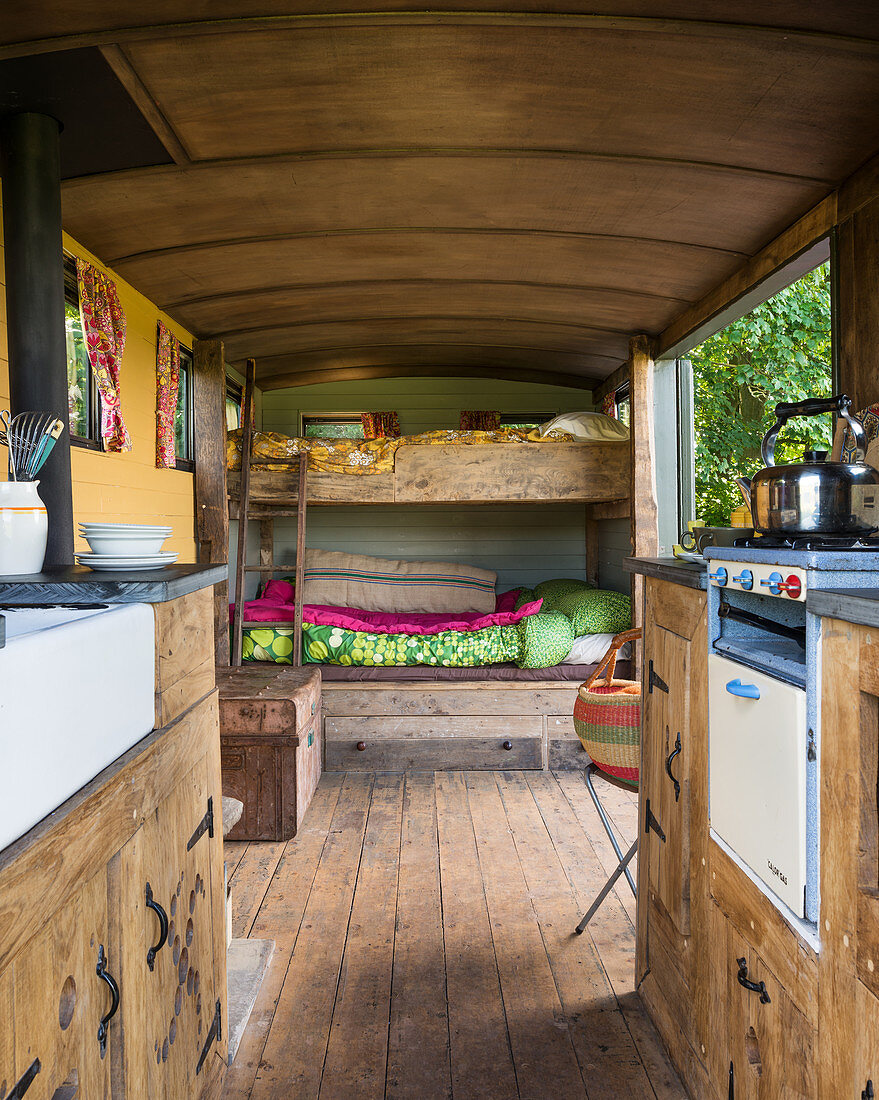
[(813, 497)]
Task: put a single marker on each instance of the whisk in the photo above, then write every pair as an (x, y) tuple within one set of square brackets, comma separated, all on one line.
[(30, 437)]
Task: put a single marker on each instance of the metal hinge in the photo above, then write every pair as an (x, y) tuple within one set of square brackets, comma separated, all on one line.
[(213, 1036), (206, 825), (812, 750), (732, 1082), (867, 1093), (25, 1081), (650, 822), (655, 680)]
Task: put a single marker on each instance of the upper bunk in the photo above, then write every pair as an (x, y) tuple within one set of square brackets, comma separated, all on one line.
[(472, 472)]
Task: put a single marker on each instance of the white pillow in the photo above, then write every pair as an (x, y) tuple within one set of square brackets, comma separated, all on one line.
[(590, 648), (592, 427)]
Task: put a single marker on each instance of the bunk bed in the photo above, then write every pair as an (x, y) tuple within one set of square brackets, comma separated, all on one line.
[(428, 717)]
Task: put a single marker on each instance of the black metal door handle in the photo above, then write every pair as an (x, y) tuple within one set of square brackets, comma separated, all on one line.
[(755, 987), (163, 926), (106, 976), (867, 1093), (675, 752)]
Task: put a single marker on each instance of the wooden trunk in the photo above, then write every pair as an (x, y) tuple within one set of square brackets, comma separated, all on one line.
[(271, 752)]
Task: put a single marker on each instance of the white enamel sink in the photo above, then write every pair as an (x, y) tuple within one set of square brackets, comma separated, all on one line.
[(76, 691)]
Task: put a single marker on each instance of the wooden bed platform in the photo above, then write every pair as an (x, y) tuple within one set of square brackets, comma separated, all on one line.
[(399, 725), (491, 473)]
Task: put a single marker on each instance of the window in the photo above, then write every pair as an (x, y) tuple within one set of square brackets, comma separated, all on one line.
[(83, 399), (623, 404), (525, 422), (333, 426), (233, 405), (183, 415), (780, 351)]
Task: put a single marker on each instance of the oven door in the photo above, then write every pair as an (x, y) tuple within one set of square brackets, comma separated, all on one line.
[(757, 774)]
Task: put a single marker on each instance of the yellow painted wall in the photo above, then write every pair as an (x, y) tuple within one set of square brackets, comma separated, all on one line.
[(125, 488)]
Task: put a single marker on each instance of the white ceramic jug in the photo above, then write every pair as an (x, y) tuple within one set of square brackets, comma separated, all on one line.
[(24, 528)]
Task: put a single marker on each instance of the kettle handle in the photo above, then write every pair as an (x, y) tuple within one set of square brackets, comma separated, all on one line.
[(812, 406)]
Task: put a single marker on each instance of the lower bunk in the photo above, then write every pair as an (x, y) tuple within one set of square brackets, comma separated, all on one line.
[(446, 719)]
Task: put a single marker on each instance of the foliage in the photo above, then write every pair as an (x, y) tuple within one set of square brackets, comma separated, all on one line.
[(778, 352)]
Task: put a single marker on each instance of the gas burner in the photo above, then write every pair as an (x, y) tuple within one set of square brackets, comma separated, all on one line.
[(809, 542)]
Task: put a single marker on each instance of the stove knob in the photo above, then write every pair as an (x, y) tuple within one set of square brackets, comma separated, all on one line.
[(774, 582), (745, 579), (720, 577), (793, 586)]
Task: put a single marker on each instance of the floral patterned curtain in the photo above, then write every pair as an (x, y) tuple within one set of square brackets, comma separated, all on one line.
[(479, 421), (381, 425), (167, 381), (103, 322), (609, 404)]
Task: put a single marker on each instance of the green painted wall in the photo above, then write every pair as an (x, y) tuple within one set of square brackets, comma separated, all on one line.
[(524, 544)]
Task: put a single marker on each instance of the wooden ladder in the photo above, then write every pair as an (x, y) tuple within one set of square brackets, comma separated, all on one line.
[(267, 564)]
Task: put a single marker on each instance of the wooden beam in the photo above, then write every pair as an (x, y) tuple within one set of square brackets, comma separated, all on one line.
[(119, 61), (857, 315), (779, 252), (241, 556), (291, 377), (211, 507), (645, 523)]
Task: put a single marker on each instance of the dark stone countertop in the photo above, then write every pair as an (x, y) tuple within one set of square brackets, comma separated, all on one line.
[(688, 574), (75, 584), (852, 605)]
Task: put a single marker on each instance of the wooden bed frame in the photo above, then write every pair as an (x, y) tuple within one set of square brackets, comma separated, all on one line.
[(400, 724)]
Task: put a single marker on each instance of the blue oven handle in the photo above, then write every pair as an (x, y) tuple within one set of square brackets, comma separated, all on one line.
[(744, 691)]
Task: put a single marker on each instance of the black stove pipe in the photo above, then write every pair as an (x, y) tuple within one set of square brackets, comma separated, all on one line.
[(31, 173)]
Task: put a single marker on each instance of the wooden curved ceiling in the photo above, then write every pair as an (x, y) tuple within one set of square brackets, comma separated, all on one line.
[(500, 192)]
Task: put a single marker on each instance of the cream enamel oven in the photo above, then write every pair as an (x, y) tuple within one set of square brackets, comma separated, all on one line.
[(763, 706)]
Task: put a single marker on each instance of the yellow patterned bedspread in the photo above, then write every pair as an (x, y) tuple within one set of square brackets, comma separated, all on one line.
[(357, 456)]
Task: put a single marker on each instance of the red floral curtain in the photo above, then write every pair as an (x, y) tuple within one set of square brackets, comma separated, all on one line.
[(103, 322), (167, 382), (479, 421), (609, 404), (382, 425)]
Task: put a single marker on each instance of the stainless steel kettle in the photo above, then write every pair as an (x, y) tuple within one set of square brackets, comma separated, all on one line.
[(813, 497)]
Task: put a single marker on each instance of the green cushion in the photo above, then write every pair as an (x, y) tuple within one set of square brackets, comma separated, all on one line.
[(551, 591), (526, 595), (547, 638), (591, 610)]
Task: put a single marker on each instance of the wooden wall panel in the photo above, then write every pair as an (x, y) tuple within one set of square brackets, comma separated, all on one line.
[(858, 301)]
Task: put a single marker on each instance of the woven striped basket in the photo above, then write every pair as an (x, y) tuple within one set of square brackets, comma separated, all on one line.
[(607, 717)]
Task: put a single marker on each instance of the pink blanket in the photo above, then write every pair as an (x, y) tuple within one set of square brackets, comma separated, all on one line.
[(276, 605)]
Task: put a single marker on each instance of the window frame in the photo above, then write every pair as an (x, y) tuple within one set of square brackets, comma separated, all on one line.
[(235, 394), (508, 418), (92, 441), (186, 462), (327, 418)]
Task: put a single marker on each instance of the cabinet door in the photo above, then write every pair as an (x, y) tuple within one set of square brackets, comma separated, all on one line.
[(665, 766), (762, 1040), (169, 1009), (59, 1001)]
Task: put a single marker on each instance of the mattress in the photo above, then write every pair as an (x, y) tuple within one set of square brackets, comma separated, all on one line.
[(575, 674)]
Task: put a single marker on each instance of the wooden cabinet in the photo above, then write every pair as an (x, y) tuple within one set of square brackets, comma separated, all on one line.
[(764, 1046), (73, 901), (673, 940)]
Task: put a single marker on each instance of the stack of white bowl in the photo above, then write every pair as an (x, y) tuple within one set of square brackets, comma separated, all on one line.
[(120, 546)]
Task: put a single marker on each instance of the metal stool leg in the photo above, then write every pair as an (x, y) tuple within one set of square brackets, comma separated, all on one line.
[(605, 821), (608, 886)]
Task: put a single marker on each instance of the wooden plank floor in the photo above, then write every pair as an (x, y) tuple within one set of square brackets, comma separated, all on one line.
[(425, 949)]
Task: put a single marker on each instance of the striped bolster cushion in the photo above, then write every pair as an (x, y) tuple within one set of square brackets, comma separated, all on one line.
[(377, 584)]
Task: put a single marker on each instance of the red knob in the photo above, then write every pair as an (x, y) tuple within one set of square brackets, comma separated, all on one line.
[(361, 745), (792, 586)]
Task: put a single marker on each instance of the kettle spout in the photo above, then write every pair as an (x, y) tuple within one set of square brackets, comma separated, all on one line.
[(744, 484)]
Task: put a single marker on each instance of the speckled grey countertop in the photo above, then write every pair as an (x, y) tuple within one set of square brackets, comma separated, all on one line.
[(852, 605), (689, 574), (75, 585)]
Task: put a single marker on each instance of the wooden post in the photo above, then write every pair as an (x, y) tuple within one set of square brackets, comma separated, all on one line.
[(211, 504), (857, 301), (243, 509), (301, 505), (645, 532)]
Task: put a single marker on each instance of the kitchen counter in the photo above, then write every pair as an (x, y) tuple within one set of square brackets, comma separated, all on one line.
[(673, 570), (852, 605), (76, 585)]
